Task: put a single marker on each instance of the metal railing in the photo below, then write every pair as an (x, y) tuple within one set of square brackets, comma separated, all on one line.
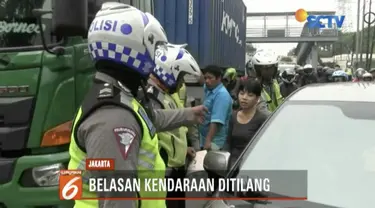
[(264, 25), (290, 32)]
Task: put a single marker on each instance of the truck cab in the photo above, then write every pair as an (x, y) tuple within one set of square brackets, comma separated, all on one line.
[(45, 71)]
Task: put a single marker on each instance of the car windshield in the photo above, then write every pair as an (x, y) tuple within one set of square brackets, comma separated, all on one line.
[(334, 142), (18, 26)]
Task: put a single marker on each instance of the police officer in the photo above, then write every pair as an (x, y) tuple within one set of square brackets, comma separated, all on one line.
[(265, 65), (359, 75), (250, 70), (110, 122), (181, 94), (232, 82), (309, 76), (165, 80), (372, 71), (288, 85), (367, 77), (348, 71)]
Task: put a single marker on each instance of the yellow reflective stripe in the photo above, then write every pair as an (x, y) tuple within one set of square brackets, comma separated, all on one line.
[(148, 154), (145, 164)]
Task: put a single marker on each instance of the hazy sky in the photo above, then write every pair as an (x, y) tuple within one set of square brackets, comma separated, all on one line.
[(292, 6)]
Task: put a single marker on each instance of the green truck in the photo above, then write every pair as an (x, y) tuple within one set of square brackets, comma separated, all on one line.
[(45, 71)]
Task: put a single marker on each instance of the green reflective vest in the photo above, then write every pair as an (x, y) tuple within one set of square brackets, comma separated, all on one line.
[(150, 164), (182, 95), (273, 104), (174, 142), (177, 98), (348, 71)]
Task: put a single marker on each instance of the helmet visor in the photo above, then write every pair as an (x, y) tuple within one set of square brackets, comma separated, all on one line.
[(308, 70), (290, 77)]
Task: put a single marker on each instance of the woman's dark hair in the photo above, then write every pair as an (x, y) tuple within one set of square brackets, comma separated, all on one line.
[(250, 86)]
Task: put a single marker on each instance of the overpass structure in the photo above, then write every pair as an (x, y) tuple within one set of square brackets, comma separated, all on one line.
[(263, 29)]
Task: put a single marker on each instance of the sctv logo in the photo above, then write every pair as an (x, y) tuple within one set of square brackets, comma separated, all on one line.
[(315, 21)]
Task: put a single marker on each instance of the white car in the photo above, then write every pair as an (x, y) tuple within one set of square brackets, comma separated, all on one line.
[(326, 130)]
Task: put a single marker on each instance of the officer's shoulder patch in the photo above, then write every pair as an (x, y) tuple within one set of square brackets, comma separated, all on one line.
[(106, 91), (148, 121), (125, 138)]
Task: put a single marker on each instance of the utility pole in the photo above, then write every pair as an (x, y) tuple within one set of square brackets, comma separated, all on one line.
[(357, 33), (368, 35), (352, 50), (362, 31), (372, 47)]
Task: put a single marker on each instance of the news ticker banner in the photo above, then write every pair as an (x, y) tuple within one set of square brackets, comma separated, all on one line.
[(120, 185)]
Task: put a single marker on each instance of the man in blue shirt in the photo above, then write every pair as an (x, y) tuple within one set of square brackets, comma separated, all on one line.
[(213, 132)]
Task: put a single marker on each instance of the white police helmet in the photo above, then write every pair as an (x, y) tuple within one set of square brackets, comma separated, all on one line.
[(125, 35), (308, 66), (174, 62), (367, 76), (264, 59)]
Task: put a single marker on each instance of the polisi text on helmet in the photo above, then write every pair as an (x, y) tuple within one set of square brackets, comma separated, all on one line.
[(110, 25), (103, 24)]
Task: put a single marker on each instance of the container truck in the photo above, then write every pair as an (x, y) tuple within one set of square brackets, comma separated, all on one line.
[(45, 71), (214, 30)]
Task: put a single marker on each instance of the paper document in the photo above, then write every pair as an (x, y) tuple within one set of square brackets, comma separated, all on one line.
[(197, 163)]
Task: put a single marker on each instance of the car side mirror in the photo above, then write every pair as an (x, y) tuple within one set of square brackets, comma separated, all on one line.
[(38, 13), (216, 163)]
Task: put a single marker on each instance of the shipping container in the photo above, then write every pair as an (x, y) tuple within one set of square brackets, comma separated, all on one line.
[(215, 30)]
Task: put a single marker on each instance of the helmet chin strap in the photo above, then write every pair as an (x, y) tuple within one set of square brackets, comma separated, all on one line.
[(147, 105)]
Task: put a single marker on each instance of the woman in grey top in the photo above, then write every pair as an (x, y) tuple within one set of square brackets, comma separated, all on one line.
[(245, 122)]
